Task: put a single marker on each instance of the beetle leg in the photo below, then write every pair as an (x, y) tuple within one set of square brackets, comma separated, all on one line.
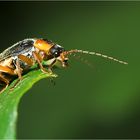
[(18, 80), (51, 65), (6, 81), (38, 59), (19, 72), (3, 88), (7, 70), (25, 59), (50, 70), (18, 69)]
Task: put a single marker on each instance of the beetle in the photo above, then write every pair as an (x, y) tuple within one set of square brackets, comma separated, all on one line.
[(20, 57)]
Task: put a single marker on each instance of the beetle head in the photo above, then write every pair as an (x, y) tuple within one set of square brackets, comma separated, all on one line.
[(58, 52)]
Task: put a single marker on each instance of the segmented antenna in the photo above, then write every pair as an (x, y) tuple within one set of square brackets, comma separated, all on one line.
[(97, 54)]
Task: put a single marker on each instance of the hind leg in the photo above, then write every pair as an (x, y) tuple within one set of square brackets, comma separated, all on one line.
[(18, 71), (5, 81)]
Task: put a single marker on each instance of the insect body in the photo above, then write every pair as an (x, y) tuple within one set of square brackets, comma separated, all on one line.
[(20, 57)]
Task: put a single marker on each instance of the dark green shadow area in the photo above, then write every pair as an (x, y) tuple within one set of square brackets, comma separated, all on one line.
[(98, 102)]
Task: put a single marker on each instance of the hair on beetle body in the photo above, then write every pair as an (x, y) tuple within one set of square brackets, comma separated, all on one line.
[(20, 57)]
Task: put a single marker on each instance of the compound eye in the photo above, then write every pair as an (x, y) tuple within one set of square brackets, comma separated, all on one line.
[(56, 50), (56, 54)]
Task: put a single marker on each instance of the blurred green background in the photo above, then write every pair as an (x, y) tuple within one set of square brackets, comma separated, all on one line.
[(98, 102)]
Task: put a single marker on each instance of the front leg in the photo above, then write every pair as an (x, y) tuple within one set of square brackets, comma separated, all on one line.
[(51, 65), (39, 60)]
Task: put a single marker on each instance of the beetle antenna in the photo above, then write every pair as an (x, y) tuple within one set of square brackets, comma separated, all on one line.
[(97, 54)]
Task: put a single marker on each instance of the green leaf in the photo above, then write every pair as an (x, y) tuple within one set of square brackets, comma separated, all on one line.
[(9, 100)]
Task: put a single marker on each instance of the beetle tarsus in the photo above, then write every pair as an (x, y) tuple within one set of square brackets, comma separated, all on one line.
[(15, 84), (4, 88)]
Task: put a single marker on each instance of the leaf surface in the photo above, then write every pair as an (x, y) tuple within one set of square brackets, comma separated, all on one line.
[(9, 100)]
